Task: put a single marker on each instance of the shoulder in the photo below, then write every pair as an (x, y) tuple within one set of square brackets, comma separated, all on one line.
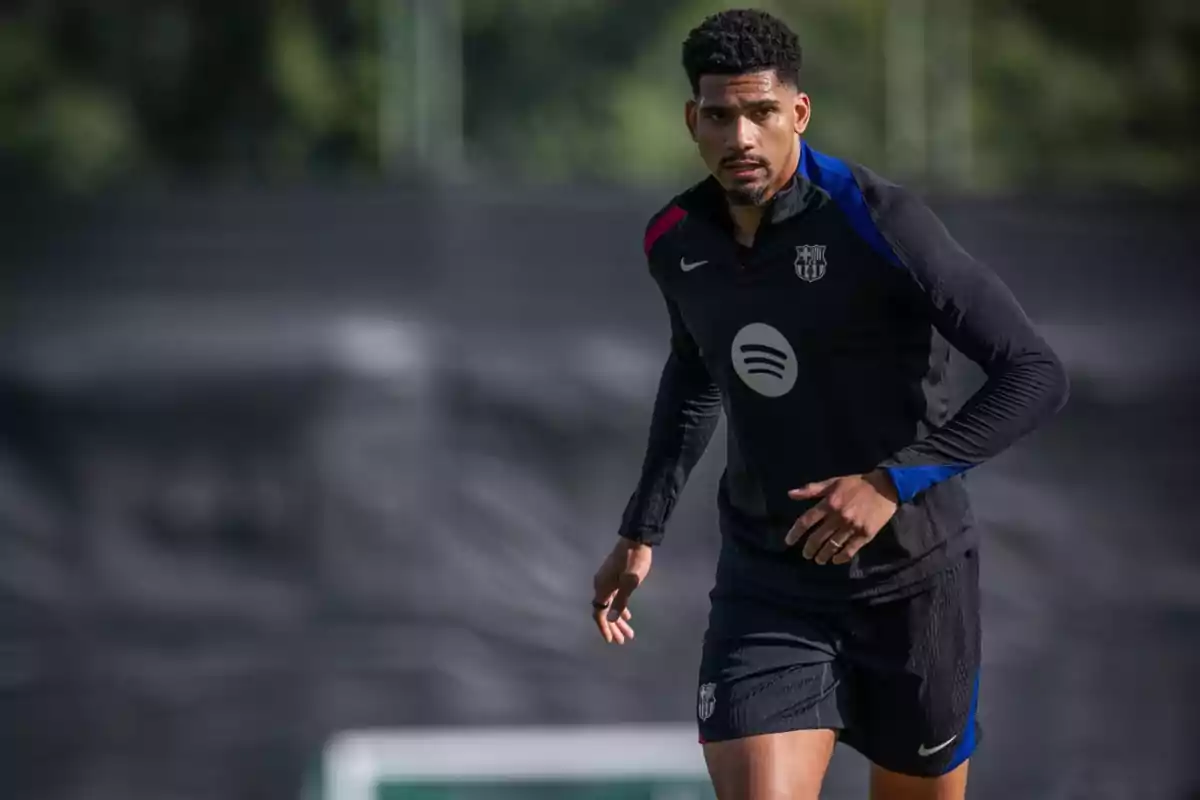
[(918, 237), (664, 221), (896, 209), (855, 190), (848, 182), (889, 216), (669, 219)]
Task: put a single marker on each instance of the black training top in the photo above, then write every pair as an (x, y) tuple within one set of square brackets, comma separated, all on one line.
[(826, 345)]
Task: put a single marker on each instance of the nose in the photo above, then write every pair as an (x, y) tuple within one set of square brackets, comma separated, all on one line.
[(744, 134)]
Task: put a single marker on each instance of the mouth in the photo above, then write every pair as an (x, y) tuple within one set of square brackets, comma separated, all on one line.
[(744, 170)]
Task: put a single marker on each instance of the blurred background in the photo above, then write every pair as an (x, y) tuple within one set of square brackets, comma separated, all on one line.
[(328, 353)]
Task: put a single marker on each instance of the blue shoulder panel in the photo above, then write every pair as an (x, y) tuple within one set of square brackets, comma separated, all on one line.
[(834, 176)]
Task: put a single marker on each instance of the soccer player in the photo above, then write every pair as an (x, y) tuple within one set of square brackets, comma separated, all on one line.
[(814, 302)]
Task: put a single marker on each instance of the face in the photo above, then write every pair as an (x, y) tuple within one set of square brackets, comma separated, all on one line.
[(747, 127)]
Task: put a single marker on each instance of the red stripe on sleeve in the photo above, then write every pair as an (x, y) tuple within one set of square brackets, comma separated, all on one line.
[(669, 219)]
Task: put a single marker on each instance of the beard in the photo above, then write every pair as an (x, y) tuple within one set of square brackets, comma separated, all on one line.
[(747, 195)]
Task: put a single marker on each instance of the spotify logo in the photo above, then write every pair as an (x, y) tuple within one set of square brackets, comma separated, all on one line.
[(764, 360)]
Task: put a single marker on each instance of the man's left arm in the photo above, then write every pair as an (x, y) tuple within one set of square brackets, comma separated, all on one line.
[(976, 313), (972, 308)]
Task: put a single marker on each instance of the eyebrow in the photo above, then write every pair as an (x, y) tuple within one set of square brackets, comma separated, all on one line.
[(752, 105)]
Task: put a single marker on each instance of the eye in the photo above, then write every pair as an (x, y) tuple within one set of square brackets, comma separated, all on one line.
[(761, 114), (716, 114)]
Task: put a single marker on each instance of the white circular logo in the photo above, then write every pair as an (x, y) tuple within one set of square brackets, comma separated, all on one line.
[(764, 360)]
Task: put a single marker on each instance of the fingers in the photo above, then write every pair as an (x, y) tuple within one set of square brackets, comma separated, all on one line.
[(619, 627), (806, 521), (853, 545), (812, 490), (834, 545), (819, 537), (852, 510), (815, 514), (620, 604), (600, 617), (613, 618)]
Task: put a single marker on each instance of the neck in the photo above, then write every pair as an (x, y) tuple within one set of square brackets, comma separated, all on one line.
[(747, 218)]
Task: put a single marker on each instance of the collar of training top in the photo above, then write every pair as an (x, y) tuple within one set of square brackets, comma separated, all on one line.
[(795, 196)]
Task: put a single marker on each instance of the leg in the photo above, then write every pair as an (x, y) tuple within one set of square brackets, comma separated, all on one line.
[(776, 766), (769, 699), (887, 785), (914, 667)]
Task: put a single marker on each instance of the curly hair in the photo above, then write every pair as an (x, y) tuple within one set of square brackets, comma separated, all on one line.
[(739, 41)]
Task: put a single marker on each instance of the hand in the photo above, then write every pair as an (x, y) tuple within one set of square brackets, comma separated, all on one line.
[(622, 571), (854, 508)]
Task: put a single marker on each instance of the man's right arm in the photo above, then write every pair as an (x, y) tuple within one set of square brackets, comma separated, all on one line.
[(686, 412)]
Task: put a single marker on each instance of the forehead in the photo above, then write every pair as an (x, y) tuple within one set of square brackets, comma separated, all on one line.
[(739, 89)]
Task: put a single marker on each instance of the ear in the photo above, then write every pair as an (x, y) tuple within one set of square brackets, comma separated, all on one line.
[(690, 112), (803, 112)]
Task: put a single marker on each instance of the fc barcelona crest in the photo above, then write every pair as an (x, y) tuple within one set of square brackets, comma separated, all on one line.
[(810, 262), (707, 702)]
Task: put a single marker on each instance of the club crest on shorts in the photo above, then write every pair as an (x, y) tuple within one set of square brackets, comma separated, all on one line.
[(810, 262), (707, 701)]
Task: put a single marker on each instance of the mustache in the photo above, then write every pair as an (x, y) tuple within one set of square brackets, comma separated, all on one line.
[(729, 161)]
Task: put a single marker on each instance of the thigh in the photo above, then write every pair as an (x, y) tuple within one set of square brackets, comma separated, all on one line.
[(775, 766), (765, 670), (913, 664), (888, 785)]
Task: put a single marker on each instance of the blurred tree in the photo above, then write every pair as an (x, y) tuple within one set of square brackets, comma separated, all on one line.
[(91, 96), (594, 90), (1060, 95), (1070, 95), (1104, 96)]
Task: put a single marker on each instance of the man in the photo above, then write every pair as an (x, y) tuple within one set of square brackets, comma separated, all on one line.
[(814, 302)]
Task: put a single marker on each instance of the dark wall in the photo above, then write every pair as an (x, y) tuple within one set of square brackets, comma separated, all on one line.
[(277, 465)]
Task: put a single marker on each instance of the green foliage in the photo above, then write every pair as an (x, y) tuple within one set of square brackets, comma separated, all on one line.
[(1073, 94), (1085, 106), (66, 128)]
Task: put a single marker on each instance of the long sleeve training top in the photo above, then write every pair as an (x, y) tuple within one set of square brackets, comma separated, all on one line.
[(826, 345)]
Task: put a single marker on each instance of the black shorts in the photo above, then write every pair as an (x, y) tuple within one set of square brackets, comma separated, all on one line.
[(898, 678)]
